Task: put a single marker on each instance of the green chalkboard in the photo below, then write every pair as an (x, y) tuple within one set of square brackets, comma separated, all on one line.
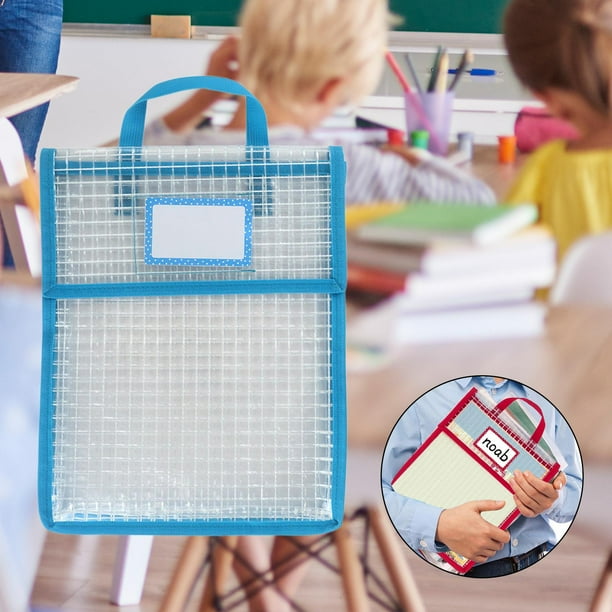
[(471, 16), (203, 12)]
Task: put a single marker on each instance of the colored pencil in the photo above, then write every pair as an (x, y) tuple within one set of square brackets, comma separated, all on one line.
[(413, 72), (466, 60), (397, 71)]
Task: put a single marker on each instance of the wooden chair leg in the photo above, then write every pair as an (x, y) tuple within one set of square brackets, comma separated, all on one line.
[(222, 557), (351, 571), (393, 558), (602, 600), (185, 574)]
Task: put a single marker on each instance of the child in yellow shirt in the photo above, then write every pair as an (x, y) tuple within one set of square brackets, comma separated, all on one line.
[(562, 51)]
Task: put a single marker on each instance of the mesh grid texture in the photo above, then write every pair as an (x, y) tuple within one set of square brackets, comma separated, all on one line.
[(193, 408), (100, 209)]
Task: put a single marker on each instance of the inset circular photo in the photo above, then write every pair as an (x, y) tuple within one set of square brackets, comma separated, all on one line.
[(481, 476)]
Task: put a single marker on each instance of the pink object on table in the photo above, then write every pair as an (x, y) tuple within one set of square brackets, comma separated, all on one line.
[(535, 125)]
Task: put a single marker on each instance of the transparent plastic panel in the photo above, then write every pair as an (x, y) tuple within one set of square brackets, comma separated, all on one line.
[(100, 198), (188, 408)]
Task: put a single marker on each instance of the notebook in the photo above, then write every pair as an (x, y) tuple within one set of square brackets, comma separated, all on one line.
[(420, 223)]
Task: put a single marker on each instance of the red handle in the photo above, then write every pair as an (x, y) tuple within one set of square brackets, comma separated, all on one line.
[(536, 436)]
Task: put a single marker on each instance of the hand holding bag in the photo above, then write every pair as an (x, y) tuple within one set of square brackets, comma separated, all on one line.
[(471, 456)]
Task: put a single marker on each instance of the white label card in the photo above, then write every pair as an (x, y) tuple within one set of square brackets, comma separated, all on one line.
[(198, 231), (497, 449)]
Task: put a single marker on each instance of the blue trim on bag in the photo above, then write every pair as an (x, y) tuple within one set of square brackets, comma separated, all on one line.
[(46, 444), (132, 127), (339, 417), (47, 217), (338, 329), (338, 222), (48, 357), (213, 287), (220, 527), (245, 169)]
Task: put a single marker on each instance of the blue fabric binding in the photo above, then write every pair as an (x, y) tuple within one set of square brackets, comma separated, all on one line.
[(132, 129)]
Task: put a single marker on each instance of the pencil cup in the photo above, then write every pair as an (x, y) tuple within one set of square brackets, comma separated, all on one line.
[(431, 111)]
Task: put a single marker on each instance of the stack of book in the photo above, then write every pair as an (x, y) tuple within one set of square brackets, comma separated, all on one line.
[(455, 271)]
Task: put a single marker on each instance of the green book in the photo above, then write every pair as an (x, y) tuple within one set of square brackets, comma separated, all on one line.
[(422, 223)]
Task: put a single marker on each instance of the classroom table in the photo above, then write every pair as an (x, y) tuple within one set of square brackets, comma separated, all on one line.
[(21, 91), (485, 165), (569, 364)]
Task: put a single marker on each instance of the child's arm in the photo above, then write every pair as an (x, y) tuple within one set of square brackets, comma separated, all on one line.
[(187, 115), (373, 175)]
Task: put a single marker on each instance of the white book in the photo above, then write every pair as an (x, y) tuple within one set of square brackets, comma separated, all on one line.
[(470, 324), (538, 274), (411, 303), (534, 243)]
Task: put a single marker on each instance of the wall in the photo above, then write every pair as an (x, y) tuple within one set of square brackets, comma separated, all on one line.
[(115, 71)]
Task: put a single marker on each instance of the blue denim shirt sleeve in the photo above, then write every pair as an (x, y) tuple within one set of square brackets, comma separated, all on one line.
[(30, 35)]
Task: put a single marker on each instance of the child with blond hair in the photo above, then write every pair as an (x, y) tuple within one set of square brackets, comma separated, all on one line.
[(303, 59), (562, 51)]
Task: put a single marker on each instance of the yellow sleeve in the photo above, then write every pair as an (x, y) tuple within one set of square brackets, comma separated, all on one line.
[(527, 187)]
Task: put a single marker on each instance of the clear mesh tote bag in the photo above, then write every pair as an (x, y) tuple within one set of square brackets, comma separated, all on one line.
[(193, 374)]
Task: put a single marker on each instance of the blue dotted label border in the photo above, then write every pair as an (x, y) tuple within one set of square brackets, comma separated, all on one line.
[(151, 202)]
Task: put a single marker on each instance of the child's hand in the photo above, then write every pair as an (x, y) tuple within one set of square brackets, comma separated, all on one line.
[(533, 495), (467, 533), (411, 155), (223, 61)]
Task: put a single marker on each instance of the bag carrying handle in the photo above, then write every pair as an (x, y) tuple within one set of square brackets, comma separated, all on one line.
[(537, 434), (132, 128)]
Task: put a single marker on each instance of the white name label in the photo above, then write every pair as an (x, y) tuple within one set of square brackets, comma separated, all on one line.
[(496, 448), (198, 231)]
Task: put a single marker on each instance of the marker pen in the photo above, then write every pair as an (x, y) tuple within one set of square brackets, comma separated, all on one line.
[(477, 71)]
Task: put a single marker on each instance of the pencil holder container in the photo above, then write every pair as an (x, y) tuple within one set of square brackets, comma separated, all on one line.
[(431, 111)]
